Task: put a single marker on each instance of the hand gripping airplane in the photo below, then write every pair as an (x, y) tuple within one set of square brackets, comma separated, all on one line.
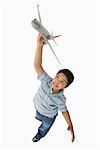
[(37, 25)]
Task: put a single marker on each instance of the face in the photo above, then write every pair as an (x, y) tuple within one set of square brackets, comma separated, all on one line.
[(59, 82)]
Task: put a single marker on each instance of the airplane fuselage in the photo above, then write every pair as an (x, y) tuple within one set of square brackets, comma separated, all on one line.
[(40, 28)]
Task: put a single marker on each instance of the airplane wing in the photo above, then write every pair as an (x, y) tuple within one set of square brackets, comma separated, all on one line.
[(39, 14), (52, 38), (52, 49)]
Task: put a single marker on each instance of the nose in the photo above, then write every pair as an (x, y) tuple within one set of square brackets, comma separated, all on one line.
[(57, 82)]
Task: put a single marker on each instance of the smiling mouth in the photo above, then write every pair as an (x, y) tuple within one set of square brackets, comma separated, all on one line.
[(55, 84)]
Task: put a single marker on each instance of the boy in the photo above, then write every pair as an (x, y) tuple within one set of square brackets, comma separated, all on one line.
[(50, 98)]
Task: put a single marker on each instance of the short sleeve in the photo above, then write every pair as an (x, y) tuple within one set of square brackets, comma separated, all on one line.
[(62, 104), (44, 77), (62, 108)]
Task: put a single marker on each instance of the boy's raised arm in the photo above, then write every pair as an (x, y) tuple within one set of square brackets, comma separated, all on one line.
[(38, 55)]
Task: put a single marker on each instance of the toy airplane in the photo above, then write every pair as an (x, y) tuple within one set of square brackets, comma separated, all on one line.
[(37, 25)]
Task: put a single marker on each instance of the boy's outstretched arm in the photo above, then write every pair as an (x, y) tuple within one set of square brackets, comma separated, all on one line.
[(69, 122), (38, 55)]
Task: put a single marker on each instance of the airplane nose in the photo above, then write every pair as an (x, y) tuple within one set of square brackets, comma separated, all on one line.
[(35, 24)]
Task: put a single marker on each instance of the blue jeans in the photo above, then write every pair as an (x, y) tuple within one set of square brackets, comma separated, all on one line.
[(45, 125)]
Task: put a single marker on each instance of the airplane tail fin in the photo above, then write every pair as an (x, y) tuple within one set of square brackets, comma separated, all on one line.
[(39, 14)]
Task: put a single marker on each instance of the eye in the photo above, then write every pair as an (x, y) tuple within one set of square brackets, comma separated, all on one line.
[(57, 76), (62, 82)]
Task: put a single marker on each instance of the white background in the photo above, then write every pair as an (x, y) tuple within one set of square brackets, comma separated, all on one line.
[(76, 22)]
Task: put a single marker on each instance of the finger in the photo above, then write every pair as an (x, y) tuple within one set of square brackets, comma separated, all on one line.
[(73, 138), (72, 133), (48, 36), (39, 35), (68, 128)]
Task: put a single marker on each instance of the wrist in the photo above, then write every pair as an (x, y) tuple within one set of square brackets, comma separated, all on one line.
[(70, 125), (39, 46)]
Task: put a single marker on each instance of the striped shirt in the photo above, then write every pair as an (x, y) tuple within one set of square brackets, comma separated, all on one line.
[(45, 101)]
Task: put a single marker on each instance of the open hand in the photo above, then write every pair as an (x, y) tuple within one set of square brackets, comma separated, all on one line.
[(70, 128)]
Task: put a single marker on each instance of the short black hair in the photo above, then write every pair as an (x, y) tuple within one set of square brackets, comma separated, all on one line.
[(69, 75)]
